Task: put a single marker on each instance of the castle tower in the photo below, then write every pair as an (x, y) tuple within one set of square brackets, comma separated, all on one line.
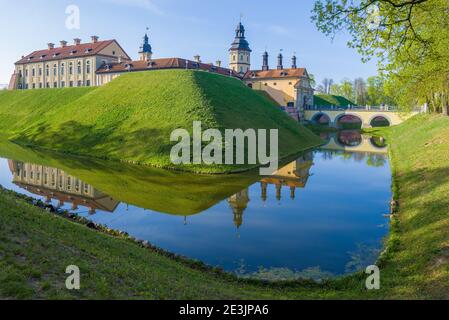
[(280, 61), (265, 66), (294, 64), (240, 53), (145, 52), (238, 203)]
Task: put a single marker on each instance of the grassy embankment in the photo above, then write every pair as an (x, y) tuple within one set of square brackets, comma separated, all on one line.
[(132, 118), (36, 246), (326, 100)]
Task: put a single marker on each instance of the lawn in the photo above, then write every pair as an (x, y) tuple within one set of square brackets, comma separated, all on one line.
[(36, 246)]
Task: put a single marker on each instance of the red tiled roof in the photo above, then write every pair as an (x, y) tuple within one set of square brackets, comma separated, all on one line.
[(274, 74), (165, 63), (58, 53)]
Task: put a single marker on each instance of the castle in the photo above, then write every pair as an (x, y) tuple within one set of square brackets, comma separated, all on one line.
[(98, 62)]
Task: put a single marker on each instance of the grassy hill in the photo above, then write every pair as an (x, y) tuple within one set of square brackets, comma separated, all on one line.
[(326, 100), (132, 117)]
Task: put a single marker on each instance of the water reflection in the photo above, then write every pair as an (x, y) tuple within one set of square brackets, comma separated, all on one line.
[(311, 218), (55, 184)]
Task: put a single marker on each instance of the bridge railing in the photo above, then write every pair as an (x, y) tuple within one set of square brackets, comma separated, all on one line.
[(355, 108)]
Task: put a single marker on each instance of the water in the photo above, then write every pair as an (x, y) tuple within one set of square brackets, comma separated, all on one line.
[(319, 216)]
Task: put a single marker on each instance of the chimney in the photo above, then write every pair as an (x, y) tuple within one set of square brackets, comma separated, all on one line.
[(63, 43), (51, 46), (218, 63), (197, 58), (280, 63), (265, 66), (294, 66), (94, 39), (77, 41)]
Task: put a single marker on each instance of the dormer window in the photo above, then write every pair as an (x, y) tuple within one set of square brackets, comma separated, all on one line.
[(73, 52), (88, 50), (55, 55), (30, 58), (43, 56)]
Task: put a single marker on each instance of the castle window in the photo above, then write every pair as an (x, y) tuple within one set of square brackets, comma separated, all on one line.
[(62, 69), (40, 71), (233, 57), (48, 85), (62, 84), (33, 72), (47, 70), (71, 83), (79, 84), (88, 83), (113, 53), (79, 67), (55, 84), (40, 85), (55, 69), (275, 84), (250, 85), (26, 72), (88, 67), (70, 68)]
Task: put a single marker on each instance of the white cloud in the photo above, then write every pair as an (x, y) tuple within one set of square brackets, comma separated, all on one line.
[(144, 4)]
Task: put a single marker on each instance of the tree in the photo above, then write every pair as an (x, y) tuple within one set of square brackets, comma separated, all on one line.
[(410, 38), (360, 91)]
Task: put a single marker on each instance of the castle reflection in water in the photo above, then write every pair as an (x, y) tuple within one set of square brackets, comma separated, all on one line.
[(55, 184)]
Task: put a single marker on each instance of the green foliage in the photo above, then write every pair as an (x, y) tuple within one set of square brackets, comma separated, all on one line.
[(410, 38), (132, 117)]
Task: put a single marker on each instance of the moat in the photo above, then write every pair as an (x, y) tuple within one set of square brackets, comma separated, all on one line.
[(322, 215)]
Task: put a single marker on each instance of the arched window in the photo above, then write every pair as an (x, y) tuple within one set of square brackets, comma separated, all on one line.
[(55, 69), (79, 67), (62, 69), (47, 70), (33, 72), (87, 67), (70, 68)]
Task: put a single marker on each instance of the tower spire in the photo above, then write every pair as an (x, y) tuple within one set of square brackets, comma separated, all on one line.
[(240, 52), (146, 52)]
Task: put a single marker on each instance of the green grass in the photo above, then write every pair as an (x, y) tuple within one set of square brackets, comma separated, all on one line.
[(132, 117), (36, 247), (326, 100)]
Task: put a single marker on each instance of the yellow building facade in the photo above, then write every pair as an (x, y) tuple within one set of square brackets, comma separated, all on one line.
[(65, 66)]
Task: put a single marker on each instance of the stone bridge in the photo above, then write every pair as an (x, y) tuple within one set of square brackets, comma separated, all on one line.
[(367, 117)]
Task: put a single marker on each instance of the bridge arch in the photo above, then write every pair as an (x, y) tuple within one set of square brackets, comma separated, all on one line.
[(378, 143), (380, 120), (321, 118), (348, 121), (349, 138)]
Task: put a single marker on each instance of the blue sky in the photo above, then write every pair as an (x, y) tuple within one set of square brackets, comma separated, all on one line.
[(182, 28)]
